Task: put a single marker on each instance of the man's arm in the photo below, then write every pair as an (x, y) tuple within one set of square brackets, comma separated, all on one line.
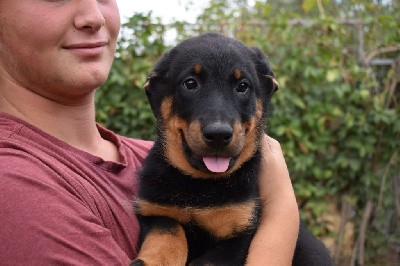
[(42, 224), (275, 240)]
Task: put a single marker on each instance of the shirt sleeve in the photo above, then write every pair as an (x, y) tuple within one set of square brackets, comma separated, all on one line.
[(43, 223)]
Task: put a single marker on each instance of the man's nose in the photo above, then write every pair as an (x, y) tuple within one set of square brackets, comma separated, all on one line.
[(89, 16)]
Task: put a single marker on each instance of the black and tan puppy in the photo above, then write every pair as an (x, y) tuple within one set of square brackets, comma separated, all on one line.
[(199, 198)]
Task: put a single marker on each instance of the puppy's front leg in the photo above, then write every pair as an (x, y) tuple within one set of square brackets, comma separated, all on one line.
[(163, 242), (229, 252)]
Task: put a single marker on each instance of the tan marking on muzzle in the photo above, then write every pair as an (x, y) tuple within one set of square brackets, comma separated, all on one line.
[(174, 152), (166, 108), (253, 133), (174, 127)]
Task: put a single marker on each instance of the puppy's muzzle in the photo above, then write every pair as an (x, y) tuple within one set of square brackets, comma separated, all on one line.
[(218, 135)]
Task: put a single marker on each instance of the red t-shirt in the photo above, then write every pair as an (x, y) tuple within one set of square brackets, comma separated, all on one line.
[(62, 206)]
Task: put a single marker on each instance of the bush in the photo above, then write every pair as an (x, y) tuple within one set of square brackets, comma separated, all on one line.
[(336, 115)]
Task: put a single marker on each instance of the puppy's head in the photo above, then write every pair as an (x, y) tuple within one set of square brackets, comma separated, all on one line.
[(210, 95)]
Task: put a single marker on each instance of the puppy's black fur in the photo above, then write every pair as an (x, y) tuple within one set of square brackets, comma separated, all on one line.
[(199, 198)]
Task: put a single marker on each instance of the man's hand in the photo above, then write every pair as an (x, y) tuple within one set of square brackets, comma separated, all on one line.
[(275, 240)]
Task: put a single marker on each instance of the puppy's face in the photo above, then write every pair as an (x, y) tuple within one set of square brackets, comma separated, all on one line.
[(210, 95)]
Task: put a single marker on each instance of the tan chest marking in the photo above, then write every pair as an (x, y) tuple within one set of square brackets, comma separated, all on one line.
[(224, 221), (221, 222), (146, 208)]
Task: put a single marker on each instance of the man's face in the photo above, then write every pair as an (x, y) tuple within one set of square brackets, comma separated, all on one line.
[(57, 48)]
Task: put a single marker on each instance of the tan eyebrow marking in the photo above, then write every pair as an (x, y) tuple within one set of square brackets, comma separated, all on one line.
[(237, 74), (198, 68)]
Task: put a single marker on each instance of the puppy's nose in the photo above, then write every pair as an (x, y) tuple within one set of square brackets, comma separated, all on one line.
[(218, 135)]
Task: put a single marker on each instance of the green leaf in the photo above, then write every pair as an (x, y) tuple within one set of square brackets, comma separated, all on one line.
[(308, 5)]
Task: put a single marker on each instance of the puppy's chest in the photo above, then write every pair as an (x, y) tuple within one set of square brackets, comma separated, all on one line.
[(222, 207), (220, 221)]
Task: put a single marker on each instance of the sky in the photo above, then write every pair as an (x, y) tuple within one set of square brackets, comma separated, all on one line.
[(166, 9)]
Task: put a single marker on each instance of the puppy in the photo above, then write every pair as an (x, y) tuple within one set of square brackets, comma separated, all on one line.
[(199, 198)]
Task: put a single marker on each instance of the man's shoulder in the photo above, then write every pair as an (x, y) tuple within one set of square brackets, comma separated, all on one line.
[(9, 125), (138, 145), (146, 144)]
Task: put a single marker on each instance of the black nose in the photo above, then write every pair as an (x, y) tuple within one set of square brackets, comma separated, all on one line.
[(218, 135)]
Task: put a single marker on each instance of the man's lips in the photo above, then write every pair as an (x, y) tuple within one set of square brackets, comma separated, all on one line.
[(87, 48)]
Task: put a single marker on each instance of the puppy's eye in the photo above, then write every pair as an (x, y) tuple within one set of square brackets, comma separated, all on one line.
[(243, 87), (190, 84)]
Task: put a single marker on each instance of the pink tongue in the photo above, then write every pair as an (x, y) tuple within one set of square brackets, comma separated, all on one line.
[(216, 164)]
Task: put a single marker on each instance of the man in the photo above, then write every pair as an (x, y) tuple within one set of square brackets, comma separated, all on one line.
[(67, 184)]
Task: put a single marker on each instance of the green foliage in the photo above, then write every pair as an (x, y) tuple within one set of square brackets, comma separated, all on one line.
[(336, 117), (121, 103)]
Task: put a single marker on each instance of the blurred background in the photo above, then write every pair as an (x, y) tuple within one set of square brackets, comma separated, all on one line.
[(337, 113)]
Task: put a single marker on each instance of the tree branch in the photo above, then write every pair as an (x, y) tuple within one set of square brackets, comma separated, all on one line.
[(381, 50)]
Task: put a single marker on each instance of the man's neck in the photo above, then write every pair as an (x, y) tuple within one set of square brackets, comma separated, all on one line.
[(72, 122)]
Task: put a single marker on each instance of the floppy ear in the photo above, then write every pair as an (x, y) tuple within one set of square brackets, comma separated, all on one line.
[(274, 81), (266, 75), (153, 87), (157, 86)]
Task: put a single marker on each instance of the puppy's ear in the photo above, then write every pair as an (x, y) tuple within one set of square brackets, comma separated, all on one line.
[(151, 76), (264, 71), (271, 76), (156, 90), (157, 86)]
